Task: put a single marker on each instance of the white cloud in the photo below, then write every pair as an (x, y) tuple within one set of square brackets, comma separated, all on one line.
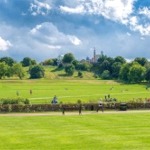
[(121, 11), (77, 10), (134, 24), (145, 11), (4, 44), (34, 30), (48, 34), (117, 10), (74, 40), (39, 8)]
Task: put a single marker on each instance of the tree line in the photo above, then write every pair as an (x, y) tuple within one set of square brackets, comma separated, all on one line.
[(117, 68)]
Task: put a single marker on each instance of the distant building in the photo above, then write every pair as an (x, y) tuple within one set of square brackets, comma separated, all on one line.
[(95, 57)]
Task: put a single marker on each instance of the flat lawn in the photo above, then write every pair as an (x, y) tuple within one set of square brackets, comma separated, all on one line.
[(72, 90), (119, 131)]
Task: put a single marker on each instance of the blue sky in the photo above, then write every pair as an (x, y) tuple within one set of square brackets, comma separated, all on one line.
[(43, 29)]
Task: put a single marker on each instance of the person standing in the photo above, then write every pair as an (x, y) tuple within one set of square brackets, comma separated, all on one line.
[(100, 106)]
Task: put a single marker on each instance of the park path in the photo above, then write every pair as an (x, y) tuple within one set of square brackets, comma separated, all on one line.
[(72, 113)]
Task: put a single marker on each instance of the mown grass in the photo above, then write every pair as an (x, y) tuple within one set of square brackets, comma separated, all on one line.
[(86, 132), (72, 90)]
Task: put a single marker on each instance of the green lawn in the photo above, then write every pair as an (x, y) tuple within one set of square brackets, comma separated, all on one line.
[(123, 131), (71, 90)]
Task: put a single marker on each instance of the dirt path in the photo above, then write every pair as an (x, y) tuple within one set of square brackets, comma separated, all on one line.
[(73, 113)]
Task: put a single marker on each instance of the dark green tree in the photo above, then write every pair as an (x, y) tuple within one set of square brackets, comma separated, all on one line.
[(147, 75), (105, 75), (120, 59), (68, 58), (36, 71), (80, 74), (84, 66), (116, 66), (28, 62), (3, 69), (142, 61), (124, 71), (8, 60), (69, 69), (136, 73)]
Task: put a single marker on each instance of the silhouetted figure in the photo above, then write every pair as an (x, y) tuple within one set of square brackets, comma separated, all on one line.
[(100, 106), (63, 110), (30, 92), (80, 109), (54, 100)]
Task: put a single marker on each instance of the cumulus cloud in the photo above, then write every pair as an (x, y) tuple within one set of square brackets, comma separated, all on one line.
[(4, 44), (74, 40), (77, 10), (39, 8), (50, 35), (117, 10), (145, 11), (121, 11)]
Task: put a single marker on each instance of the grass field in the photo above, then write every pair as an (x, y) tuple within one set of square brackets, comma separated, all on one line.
[(119, 131), (71, 90)]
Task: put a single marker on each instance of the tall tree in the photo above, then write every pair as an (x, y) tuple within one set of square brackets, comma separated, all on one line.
[(8, 60), (136, 73), (18, 70), (3, 69), (120, 59), (124, 71), (68, 58), (28, 61), (142, 61), (36, 71), (69, 69), (116, 66)]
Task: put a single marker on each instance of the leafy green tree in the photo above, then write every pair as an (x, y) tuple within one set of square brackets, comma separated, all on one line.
[(28, 62), (69, 69), (116, 66), (68, 58), (36, 71), (8, 60), (136, 73), (120, 59), (75, 63), (18, 70), (51, 62), (9, 72), (84, 66), (124, 71), (3, 69), (142, 61), (80, 74), (147, 75), (105, 75), (105, 65)]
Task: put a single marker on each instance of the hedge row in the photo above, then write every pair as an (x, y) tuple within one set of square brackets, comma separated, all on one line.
[(68, 107), (14, 101)]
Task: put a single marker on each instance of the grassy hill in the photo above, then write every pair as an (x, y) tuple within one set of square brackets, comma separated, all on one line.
[(55, 73)]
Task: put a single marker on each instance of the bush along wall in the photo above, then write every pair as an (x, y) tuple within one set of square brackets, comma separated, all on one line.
[(14, 101), (70, 107)]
